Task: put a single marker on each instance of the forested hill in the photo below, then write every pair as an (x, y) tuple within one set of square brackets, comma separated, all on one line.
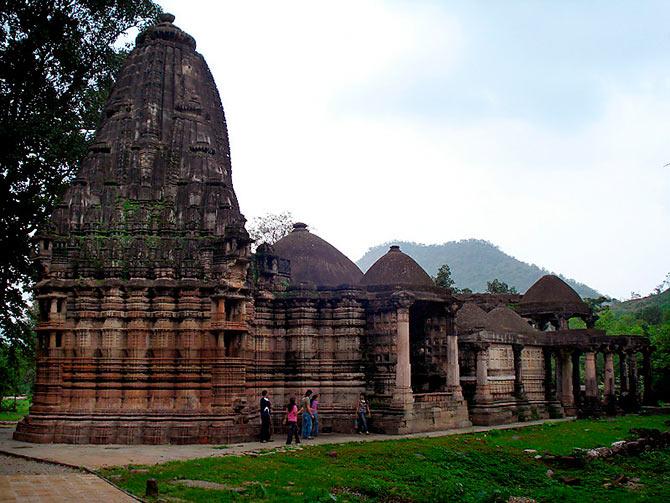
[(659, 302), (473, 262)]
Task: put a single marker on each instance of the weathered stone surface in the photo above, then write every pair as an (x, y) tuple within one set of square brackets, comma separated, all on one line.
[(144, 299)]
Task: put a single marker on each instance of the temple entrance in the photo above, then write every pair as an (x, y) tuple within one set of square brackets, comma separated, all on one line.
[(428, 347)]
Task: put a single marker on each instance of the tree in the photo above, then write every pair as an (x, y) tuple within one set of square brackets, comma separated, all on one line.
[(443, 278), (663, 285), (598, 304), (57, 62), (270, 228), (497, 286)]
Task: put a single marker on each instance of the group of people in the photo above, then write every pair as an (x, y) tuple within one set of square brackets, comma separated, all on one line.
[(309, 412)]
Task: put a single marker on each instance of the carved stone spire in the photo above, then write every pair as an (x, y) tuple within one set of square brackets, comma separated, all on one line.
[(154, 197)]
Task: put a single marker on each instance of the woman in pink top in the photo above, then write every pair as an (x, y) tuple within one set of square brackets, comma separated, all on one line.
[(292, 422)]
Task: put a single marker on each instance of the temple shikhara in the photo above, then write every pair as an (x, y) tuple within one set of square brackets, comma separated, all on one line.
[(157, 324)]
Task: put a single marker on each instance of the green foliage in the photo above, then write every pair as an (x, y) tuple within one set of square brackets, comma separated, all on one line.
[(443, 278), (473, 468), (576, 323), (14, 410), (17, 367), (497, 286), (473, 262)]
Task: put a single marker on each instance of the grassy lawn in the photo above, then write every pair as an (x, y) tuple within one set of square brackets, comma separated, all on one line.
[(22, 407), (483, 467)]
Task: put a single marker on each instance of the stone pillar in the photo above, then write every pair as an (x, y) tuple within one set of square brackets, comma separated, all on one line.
[(519, 391), (549, 389), (483, 390), (623, 373), (453, 372), (632, 378), (567, 396), (648, 397), (610, 395), (590, 376), (559, 375), (403, 369), (576, 377)]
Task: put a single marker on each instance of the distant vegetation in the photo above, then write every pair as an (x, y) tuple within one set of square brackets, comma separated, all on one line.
[(473, 263)]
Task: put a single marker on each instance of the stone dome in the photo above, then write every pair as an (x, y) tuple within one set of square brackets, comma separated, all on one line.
[(504, 320), (396, 268), (551, 295), (315, 261), (470, 317)]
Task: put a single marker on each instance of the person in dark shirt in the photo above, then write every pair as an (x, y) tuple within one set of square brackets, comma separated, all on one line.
[(266, 416), (314, 404)]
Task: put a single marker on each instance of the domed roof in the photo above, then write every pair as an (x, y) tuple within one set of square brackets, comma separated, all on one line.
[(396, 268), (314, 260), (550, 294), (503, 319), (470, 317)]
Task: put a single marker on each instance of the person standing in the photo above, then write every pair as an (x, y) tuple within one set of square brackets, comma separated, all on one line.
[(307, 415), (363, 412), (292, 422), (266, 416), (314, 404)]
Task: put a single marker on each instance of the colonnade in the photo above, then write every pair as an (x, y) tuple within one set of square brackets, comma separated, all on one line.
[(563, 379), (563, 383)]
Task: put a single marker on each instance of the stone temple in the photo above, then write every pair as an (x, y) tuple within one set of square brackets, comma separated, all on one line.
[(158, 325)]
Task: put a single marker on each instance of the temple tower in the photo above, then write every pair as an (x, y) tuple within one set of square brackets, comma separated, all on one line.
[(143, 292)]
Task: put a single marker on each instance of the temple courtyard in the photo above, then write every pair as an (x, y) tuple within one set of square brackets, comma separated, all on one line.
[(534, 460)]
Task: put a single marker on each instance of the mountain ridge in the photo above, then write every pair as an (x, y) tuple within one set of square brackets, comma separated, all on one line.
[(473, 262)]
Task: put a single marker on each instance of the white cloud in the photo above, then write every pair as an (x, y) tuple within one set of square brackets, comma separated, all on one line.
[(590, 202)]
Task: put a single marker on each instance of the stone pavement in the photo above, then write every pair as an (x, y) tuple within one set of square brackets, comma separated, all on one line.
[(30, 481), (94, 457)]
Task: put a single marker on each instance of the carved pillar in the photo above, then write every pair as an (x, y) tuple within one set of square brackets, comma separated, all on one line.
[(403, 369), (559, 375), (549, 389), (567, 395), (519, 391), (632, 378), (453, 373), (576, 377), (483, 390), (591, 378), (610, 396), (648, 397), (623, 373)]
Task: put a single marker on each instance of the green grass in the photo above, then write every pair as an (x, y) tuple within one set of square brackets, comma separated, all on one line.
[(483, 467), (22, 407)]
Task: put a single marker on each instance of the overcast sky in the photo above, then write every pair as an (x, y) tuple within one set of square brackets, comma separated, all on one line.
[(539, 126)]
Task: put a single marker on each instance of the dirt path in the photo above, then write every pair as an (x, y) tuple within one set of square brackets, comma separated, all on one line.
[(38, 482)]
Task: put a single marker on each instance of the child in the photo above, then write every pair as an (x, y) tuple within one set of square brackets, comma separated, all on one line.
[(292, 422), (363, 411), (314, 403)]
